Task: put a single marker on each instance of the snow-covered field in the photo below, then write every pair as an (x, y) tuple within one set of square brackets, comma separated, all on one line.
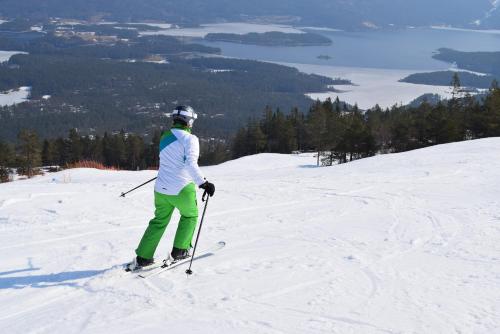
[(371, 85), (5, 55), (235, 28), (401, 243), (15, 96)]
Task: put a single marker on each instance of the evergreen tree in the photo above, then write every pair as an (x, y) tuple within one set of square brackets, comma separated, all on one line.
[(29, 148), (457, 86), (239, 144), (75, 146), (6, 160), (298, 124), (134, 147), (48, 153), (256, 139), (317, 128), (491, 118)]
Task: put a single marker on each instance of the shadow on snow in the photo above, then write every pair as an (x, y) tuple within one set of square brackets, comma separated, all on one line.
[(44, 281)]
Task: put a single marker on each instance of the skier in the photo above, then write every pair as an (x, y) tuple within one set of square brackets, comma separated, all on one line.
[(175, 188)]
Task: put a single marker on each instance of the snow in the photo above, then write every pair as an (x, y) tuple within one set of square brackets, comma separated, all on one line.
[(401, 243), (235, 28), (213, 70), (320, 29), (5, 55), (481, 31), (15, 96), (156, 25), (162, 61), (371, 85)]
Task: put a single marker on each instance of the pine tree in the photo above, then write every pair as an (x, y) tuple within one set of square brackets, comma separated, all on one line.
[(6, 160), (134, 146), (457, 86), (75, 146), (492, 113), (48, 153), (239, 145), (317, 128), (29, 148)]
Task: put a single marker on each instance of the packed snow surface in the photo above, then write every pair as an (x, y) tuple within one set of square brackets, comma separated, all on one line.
[(15, 96), (371, 85), (400, 243), (5, 55)]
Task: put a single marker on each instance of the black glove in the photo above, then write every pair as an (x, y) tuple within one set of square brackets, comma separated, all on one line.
[(209, 188)]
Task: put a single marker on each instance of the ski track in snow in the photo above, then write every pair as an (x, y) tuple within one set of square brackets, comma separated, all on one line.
[(401, 243)]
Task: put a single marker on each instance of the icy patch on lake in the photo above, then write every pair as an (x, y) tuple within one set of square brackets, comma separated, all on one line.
[(482, 31), (156, 25), (234, 28), (5, 55), (15, 96), (371, 85), (320, 29)]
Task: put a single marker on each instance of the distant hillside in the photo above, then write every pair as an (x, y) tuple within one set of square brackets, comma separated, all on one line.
[(484, 62), (100, 78), (345, 14)]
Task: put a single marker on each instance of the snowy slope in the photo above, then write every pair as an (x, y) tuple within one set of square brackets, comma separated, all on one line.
[(402, 243)]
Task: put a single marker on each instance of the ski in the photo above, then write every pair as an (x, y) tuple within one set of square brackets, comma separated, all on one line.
[(168, 266), (155, 265)]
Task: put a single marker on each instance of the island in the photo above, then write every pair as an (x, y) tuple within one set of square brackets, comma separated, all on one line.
[(272, 38), (484, 62), (475, 69), (445, 78), (324, 57)]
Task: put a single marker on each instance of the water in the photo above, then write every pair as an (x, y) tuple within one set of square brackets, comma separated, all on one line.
[(409, 49), (374, 61)]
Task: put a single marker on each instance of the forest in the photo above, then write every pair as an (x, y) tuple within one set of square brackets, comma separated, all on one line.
[(484, 62), (339, 133), (132, 83)]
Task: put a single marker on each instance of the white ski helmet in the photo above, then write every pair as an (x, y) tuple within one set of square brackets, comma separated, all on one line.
[(184, 115)]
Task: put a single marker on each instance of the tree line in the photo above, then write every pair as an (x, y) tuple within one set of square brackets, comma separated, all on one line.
[(117, 151), (341, 133), (337, 131)]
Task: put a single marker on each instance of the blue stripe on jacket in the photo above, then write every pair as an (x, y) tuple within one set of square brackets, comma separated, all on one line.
[(167, 139)]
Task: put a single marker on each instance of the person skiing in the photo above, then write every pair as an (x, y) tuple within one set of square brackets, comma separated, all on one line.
[(175, 188)]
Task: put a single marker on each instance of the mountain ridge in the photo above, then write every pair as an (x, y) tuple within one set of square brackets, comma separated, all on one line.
[(344, 14)]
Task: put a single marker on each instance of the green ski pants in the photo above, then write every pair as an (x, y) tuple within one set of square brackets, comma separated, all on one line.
[(186, 203)]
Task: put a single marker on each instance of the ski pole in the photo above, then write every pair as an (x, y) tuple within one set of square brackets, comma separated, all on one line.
[(189, 271), (123, 194)]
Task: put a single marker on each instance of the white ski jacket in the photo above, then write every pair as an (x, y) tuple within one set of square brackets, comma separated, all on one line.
[(179, 152)]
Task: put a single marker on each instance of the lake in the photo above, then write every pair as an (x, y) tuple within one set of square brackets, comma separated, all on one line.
[(403, 49), (373, 60)]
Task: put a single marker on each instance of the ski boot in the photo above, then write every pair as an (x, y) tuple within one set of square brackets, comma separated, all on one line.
[(138, 263), (179, 254)]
